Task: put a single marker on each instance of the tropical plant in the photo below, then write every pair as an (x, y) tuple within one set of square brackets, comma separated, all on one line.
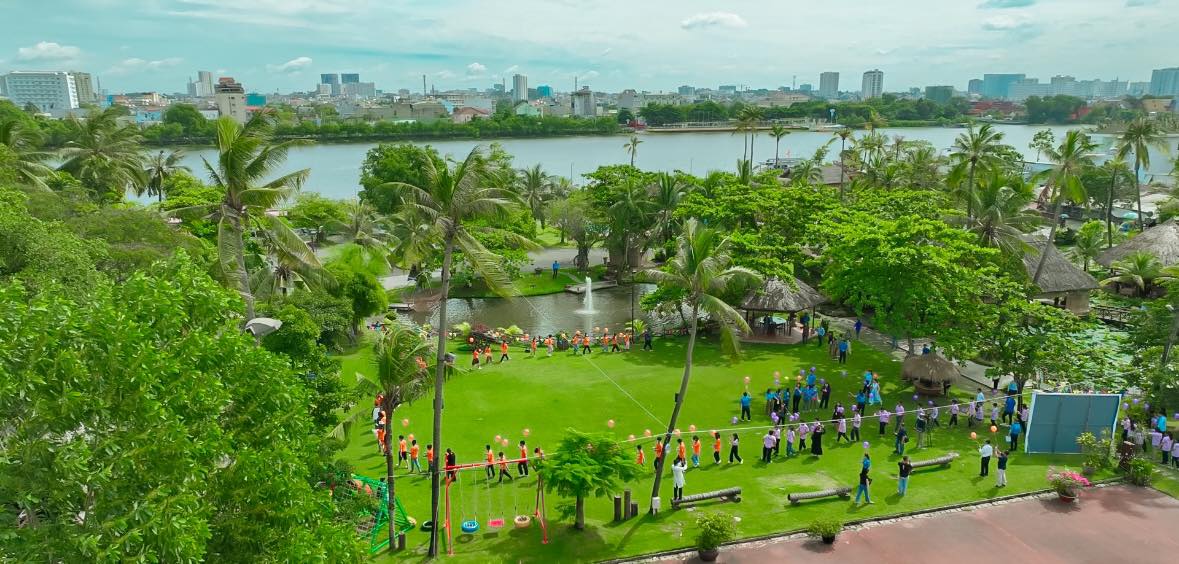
[(748, 119), (536, 187), (1002, 217), (715, 529), (450, 198), (632, 148), (665, 196), (28, 160), (1042, 142), (246, 154), (103, 155), (824, 527), (1117, 167), (843, 135), (636, 326), (703, 269), (807, 172), (161, 167), (1140, 136), (1088, 244), (629, 216), (778, 131), (1064, 182), (972, 151), (1140, 471), (585, 465), (367, 229), (1139, 269), (1066, 482), (1096, 451)]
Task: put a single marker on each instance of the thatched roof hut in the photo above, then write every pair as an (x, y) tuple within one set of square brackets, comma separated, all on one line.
[(1060, 279), (929, 373), (1162, 241), (776, 295)]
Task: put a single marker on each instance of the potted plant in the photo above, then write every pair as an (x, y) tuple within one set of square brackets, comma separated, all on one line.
[(825, 528), (715, 530), (1067, 483), (1141, 472), (1096, 452)]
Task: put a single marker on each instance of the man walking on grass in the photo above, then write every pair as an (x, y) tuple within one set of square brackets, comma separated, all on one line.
[(985, 458)]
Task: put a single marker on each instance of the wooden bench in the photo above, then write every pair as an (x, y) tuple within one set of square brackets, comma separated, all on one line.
[(942, 461), (842, 491), (733, 494)]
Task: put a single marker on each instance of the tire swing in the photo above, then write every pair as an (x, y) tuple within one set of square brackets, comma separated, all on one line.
[(521, 521)]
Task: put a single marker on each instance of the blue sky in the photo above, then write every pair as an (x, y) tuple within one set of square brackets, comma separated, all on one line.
[(609, 44)]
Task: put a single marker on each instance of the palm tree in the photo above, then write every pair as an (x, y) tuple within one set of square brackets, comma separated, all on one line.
[(632, 147), (703, 269), (160, 168), (450, 198), (246, 154), (665, 195), (1087, 247), (1140, 135), (1064, 182), (277, 271), (535, 187), (370, 232), (1139, 268), (28, 160), (745, 172), (778, 131), (1116, 167), (102, 155), (1002, 216), (843, 135), (748, 119), (973, 150), (629, 217), (806, 172)]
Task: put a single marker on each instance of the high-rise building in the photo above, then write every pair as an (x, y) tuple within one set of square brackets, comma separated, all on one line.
[(630, 100), (1164, 82), (231, 99), (358, 90), (1139, 88), (873, 85), (544, 91), (829, 84), (51, 92), (583, 103), (519, 88), (805, 87), (205, 79), (85, 87), (686, 90), (350, 78), (333, 80), (997, 85), (727, 88), (939, 94), (974, 86)]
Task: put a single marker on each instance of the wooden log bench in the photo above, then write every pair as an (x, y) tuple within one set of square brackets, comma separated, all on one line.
[(842, 491), (943, 461), (733, 494)]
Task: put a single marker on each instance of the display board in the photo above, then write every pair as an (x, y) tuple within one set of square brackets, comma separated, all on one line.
[(1056, 420)]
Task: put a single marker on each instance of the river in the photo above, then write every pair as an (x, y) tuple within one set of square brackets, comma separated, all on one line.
[(335, 168)]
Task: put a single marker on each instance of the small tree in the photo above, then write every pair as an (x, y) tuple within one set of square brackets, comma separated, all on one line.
[(584, 465)]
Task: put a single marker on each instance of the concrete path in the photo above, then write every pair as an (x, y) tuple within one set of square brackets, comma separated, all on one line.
[(1112, 524)]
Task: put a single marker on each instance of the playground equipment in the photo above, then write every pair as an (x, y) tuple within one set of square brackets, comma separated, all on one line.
[(466, 485), (375, 528)]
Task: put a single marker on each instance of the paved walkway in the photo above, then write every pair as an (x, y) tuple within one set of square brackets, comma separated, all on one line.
[(1112, 524)]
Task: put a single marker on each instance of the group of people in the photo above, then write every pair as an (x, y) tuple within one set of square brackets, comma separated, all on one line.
[(1158, 438), (579, 343)]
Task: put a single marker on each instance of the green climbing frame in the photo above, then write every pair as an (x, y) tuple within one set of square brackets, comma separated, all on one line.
[(378, 535)]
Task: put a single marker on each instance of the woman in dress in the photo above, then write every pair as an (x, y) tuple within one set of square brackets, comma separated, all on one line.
[(817, 439)]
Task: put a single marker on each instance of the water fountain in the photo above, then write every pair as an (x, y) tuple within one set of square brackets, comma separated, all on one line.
[(587, 304)]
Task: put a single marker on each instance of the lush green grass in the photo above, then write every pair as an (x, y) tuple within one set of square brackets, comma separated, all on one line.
[(1166, 479), (551, 237), (549, 395)]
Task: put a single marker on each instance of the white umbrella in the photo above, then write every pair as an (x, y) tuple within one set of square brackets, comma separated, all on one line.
[(263, 326)]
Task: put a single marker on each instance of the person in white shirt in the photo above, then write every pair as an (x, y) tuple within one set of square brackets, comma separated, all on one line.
[(985, 463), (1175, 454), (678, 468)]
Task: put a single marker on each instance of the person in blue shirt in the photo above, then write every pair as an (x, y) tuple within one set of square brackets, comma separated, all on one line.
[(859, 326), (746, 401), (1009, 410), (797, 397), (821, 332), (844, 345), (1016, 429), (556, 268), (810, 379), (861, 400)]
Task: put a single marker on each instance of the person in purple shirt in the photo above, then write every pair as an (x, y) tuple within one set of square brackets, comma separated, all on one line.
[(900, 412), (767, 446)]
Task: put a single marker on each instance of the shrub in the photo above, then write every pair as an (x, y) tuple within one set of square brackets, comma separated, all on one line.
[(1096, 451), (1066, 482), (715, 530), (824, 527), (1141, 472)]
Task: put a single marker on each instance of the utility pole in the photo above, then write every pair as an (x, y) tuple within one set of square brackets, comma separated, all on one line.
[(424, 93)]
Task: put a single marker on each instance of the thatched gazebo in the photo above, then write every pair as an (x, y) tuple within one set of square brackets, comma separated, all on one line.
[(777, 296), (1162, 241), (930, 373), (1060, 280)]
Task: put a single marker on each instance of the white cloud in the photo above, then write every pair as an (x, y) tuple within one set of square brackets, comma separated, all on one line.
[(476, 69), (1004, 23), (137, 65), (511, 69), (292, 66), (444, 74), (714, 19), (48, 51)]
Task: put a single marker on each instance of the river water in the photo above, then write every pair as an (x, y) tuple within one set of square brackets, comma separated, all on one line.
[(335, 168)]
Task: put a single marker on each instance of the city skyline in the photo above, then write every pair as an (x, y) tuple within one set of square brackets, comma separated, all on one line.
[(285, 45)]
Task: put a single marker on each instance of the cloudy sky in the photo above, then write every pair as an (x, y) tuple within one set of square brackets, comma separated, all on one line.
[(609, 44)]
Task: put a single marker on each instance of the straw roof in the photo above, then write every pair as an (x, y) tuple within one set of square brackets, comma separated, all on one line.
[(1060, 274), (776, 295), (1161, 241), (928, 368)]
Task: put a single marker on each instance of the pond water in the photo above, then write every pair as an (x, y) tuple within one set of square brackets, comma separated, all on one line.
[(542, 315)]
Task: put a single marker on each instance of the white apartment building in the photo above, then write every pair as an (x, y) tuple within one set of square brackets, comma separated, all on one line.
[(873, 85), (519, 88), (52, 92)]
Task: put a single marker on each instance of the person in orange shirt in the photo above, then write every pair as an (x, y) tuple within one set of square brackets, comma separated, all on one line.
[(503, 350), (490, 456), (658, 453), (614, 343), (503, 468), (695, 451), (548, 344), (681, 450), (522, 466), (716, 447), (402, 451), (414, 465), (626, 342), (487, 354), (535, 344), (381, 434), (576, 341), (642, 457), (475, 358), (537, 453)]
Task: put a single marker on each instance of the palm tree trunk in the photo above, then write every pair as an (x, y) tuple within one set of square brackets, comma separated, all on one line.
[(389, 503), (777, 143), (239, 276), (970, 194), (679, 398), (752, 138), (439, 374), (842, 170), (1047, 244), (1113, 181), (1138, 195), (745, 147)]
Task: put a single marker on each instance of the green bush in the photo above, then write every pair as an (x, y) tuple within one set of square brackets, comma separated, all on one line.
[(715, 530), (824, 527), (1096, 451), (1141, 472)]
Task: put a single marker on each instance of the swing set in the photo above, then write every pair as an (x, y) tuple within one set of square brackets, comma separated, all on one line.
[(495, 518)]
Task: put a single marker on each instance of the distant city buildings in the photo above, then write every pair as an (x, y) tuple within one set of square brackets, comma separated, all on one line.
[(52, 92), (349, 78), (998, 85), (202, 87), (829, 84), (975, 86), (805, 87), (1164, 82), (544, 91), (333, 82), (939, 94), (583, 103), (686, 90), (231, 99), (727, 88), (630, 100), (1062, 85), (519, 88), (873, 84)]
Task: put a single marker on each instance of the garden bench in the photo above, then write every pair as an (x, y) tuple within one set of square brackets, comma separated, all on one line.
[(842, 491), (939, 461), (731, 493)]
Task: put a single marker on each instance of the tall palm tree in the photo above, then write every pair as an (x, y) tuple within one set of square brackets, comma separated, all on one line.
[(1140, 136), (103, 155), (629, 217), (1087, 247), (632, 147), (161, 167), (703, 269), (246, 155), (1002, 216), (1064, 182), (1117, 167), (1140, 269), (24, 143), (974, 150), (778, 131), (371, 233), (450, 198), (665, 195), (843, 135), (752, 115), (535, 187)]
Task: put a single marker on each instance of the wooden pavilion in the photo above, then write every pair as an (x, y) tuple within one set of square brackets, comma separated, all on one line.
[(1061, 282), (774, 297)]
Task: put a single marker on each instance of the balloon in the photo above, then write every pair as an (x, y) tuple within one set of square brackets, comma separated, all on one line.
[(994, 429), (973, 435), (610, 423), (930, 402), (497, 438), (812, 369), (855, 408), (409, 436), (691, 428), (630, 437), (865, 445), (1135, 401), (405, 422), (505, 442), (676, 432), (1125, 405), (822, 380), (916, 397), (647, 433), (747, 379), (734, 421), (527, 432)]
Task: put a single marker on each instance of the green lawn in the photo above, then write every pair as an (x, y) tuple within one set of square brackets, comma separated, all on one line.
[(1166, 479), (551, 237), (549, 395)]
